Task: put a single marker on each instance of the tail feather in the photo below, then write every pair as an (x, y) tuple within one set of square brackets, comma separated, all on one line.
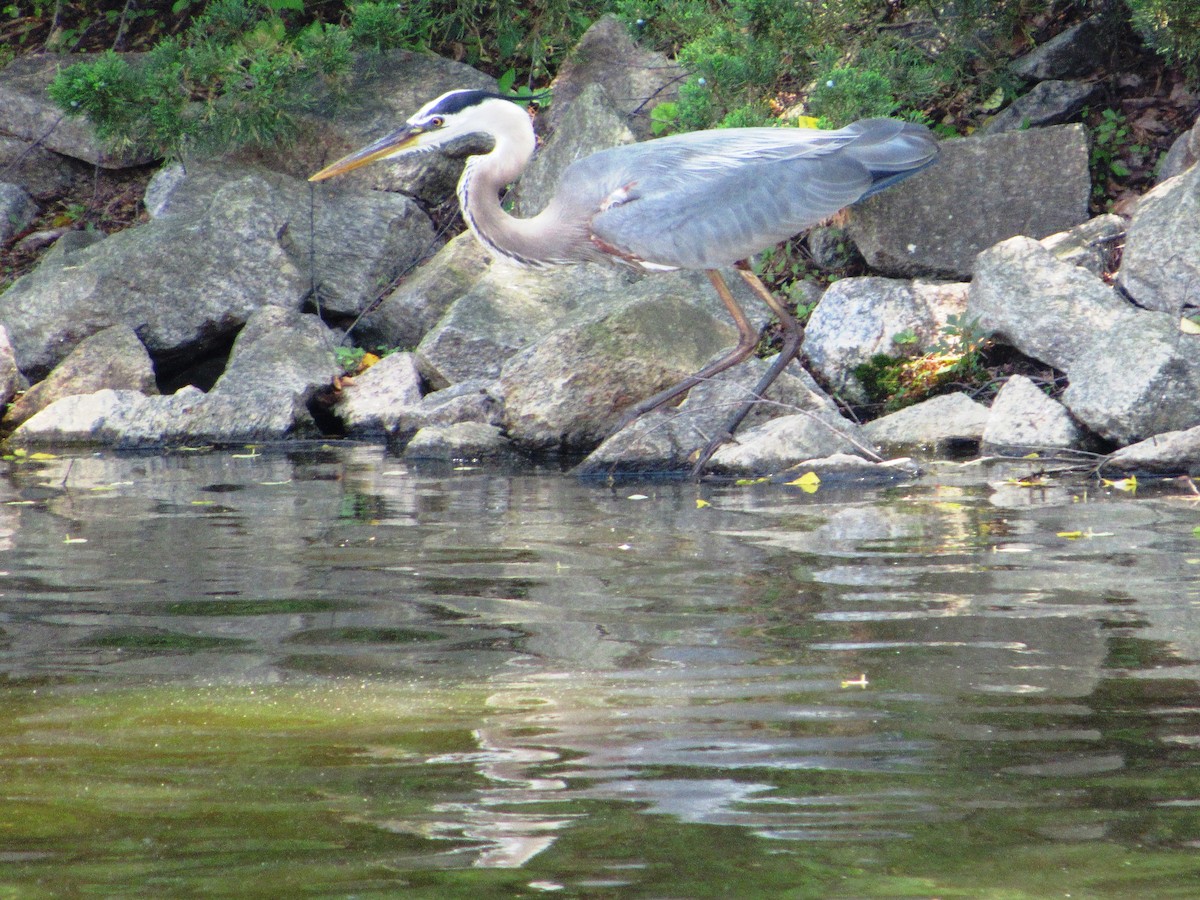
[(891, 150)]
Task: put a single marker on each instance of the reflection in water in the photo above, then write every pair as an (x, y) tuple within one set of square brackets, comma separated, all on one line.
[(908, 678)]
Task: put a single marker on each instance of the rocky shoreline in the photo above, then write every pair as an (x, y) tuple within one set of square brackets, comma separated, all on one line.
[(211, 322)]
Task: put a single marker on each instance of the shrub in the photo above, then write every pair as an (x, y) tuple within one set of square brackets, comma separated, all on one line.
[(1172, 27)]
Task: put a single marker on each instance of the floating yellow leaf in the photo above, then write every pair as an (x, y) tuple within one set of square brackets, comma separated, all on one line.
[(70, 540), (701, 503), (859, 682), (1122, 484), (40, 455), (744, 482), (1189, 326), (808, 482), (1070, 535)]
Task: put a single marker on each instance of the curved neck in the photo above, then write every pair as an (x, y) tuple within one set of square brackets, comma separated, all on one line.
[(528, 242)]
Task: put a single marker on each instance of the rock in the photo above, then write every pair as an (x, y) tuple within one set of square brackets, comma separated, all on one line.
[(1184, 153), (27, 113), (467, 401), (635, 78), (841, 470), (113, 358), (185, 283), (278, 363), (1167, 453), (571, 388), (17, 210), (362, 239), (831, 248), (1076, 51), (11, 379), (1138, 378), (946, 422), (1132, 372), (369, 403), (36, 169), (388, 88), (668, 440), (1092, 245), (1023, 418), (1160, 267), (591, 124), (462, 441), (783, 442), (1049, 103), (859, 318), (982, 190), (407, 314), (1046, 308), (511, 308)]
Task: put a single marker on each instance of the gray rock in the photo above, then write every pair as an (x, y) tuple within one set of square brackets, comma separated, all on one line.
[(467, 401), (355, 242), (636, 79), (1140, 377), (27, 113), (1073, 52), (1092, 245), (407, 314), (17, 210), (783, 442), (11, 379), (462, 441), (859, 318), (842, 470), (1184, 153), (1160, 268), (184, 282), (571, 388), (1023, 418), (668, 440), (591, 124), (113, 358), (511, 308), (1167, 453), (39, 171), (1132, 372), (1049, 103), (371, 402), (982, 190), (388, 88), (279, 361), (946, 422), (1046, 308)]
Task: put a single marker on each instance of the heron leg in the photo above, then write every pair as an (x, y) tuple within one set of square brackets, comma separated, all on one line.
[(747, 341), (793, 336)]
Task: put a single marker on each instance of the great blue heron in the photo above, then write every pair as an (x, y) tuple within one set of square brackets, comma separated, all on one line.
[(700, 200)]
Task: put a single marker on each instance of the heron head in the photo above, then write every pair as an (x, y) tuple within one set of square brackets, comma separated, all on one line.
[(453, 115)]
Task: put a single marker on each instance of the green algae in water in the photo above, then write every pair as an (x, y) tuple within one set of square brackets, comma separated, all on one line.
[(158, 640)]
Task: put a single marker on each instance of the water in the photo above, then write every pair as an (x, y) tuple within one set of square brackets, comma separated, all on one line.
[(328, 674)]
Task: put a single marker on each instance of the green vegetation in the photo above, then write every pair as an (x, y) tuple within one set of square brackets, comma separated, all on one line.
[(910, 376), (1172, 27)]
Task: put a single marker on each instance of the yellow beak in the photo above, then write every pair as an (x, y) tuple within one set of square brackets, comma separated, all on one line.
[(390, 145)]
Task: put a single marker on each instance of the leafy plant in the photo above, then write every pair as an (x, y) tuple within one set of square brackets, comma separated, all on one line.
[(1172, 27), (235, 77), (1112, 144), (897, 381)]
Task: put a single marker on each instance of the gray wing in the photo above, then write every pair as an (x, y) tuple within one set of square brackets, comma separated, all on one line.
[(709, 199)]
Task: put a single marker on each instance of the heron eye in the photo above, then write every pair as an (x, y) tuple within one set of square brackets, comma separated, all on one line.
[(437, 121)]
